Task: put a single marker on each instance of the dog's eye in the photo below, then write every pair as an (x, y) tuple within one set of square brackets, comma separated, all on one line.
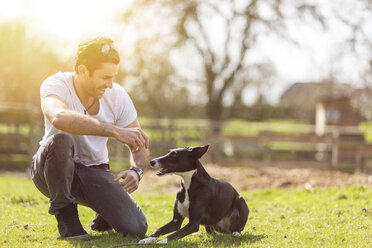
[(173, 154)]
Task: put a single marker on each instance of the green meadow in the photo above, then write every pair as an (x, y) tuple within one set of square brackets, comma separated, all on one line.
[(316, 217)]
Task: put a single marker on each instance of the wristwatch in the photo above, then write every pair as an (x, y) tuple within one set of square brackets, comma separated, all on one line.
[(139, 172)]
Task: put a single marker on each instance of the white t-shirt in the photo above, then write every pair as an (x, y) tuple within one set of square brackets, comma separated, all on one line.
[(115, 107)]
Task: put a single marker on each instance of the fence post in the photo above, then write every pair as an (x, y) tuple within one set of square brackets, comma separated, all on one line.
[(359, 159), (36, 130), (335, 148)]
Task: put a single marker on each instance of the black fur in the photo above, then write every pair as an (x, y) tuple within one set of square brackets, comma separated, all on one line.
[(213, 203)]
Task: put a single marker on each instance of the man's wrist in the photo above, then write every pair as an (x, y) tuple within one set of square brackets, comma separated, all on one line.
[(110, 130), (138, 171)]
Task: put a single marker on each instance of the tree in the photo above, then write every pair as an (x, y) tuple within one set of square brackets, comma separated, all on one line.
[(219, 35), (148, 76), (358, 44), (25, 62)]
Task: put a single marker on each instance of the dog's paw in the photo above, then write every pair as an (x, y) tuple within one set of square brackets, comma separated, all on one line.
[(164, 241), (147, 240), (236, 234)]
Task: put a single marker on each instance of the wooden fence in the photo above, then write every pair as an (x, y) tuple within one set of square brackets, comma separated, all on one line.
[(338, 146), (21, 128)]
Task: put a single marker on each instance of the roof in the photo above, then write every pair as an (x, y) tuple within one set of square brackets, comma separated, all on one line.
[(313, 91)]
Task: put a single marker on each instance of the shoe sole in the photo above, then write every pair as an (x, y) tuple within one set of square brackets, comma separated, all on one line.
[(83, 237)]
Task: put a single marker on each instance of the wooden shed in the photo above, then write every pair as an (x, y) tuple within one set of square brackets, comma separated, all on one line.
[(335, 111), (303, 97)]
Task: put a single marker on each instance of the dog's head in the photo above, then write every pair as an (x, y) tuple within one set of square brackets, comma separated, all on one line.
[(178, 160)]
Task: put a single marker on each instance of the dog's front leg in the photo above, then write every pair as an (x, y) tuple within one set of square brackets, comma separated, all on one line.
[(191, 227), (173, 225), (196, 212)]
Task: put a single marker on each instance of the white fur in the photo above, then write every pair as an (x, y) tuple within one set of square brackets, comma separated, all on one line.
[(183, 207), (236, 234), (164, 241), (147, 240), (156, 165)]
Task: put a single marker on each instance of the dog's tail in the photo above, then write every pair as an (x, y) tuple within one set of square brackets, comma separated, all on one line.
[(243, 209)]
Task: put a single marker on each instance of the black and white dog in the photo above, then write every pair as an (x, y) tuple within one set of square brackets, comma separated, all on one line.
[(211, 202)]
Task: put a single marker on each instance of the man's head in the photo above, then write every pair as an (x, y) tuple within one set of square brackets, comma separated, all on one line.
[(96, 63), (93, 52)]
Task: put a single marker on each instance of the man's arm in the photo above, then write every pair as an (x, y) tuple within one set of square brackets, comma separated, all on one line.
[(73, 122), (138, 159)]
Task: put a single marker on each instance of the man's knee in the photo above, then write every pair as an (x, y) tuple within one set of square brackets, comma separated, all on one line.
[(62, 143), (136, 227), (142, 228), (62, 140), (139, 229), (60, 152)]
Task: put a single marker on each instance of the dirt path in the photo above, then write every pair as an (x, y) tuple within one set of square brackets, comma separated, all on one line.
[(256, 176), (265, 176)]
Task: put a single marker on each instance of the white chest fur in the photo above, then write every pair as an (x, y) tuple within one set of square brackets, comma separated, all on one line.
[(183, 207)]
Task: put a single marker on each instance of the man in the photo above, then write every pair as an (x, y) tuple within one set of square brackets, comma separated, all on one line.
[(81, 110)]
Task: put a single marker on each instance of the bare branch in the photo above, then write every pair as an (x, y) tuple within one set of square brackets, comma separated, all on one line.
[(243, 49)]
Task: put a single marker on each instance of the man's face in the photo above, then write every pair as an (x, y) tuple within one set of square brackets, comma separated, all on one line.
[(102, 78)]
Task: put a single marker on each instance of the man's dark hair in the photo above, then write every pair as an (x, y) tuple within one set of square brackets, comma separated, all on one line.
[(94, 51)]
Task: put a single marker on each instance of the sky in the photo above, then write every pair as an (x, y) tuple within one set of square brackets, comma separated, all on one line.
[(68, 19), (68, 22)]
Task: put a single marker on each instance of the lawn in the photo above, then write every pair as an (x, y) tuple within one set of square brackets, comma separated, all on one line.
[(316, 217)]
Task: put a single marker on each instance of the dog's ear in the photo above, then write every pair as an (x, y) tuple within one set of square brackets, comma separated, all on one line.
[(199, 151)]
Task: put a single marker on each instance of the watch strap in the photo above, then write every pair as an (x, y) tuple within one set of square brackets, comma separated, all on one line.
[(138, 171)]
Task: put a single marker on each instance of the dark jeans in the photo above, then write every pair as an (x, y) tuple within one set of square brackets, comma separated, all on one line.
[(58, 177)]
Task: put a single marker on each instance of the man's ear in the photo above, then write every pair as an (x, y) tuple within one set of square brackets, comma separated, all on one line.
[(199, 151), (83, 70)]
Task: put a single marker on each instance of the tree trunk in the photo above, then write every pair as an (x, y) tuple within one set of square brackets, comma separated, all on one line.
[(214, 114)]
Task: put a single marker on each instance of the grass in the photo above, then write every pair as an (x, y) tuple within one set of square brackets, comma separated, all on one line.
[(241, 127), (316, 217)]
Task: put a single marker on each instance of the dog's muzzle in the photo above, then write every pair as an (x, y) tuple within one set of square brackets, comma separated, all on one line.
[(156, 165)]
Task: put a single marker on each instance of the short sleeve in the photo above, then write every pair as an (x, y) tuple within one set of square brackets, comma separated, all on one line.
[(53, 86), (126, 112)]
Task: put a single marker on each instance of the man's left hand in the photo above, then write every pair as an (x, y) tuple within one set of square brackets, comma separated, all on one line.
[(130, 180)]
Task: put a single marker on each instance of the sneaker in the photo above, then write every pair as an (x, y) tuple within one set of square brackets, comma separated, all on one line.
[(99, 224), (69, 225)]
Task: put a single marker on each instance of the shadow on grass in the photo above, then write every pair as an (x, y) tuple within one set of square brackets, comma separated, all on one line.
[(115, 240), (219, 239), (104, 239)]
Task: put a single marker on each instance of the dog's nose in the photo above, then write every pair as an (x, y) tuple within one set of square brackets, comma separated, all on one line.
[(152, 163)]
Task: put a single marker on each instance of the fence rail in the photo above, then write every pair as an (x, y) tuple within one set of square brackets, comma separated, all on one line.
[(334, 148)]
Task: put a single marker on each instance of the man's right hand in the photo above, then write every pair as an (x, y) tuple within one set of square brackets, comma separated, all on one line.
[(135, 138)]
